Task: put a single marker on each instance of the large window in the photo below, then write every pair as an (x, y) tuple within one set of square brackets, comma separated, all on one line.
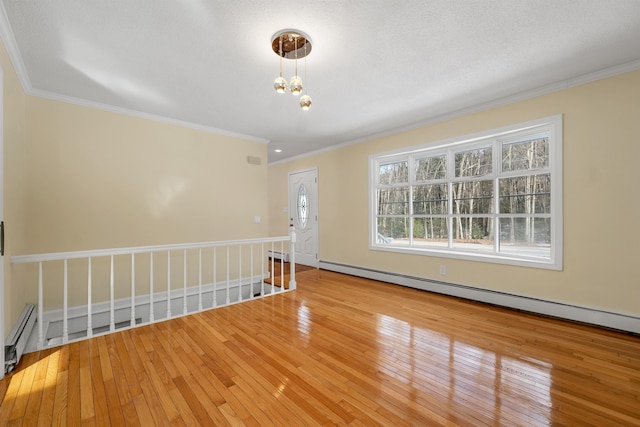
[(494, 196)]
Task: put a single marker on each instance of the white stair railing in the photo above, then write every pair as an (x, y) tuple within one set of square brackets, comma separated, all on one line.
[(114, 299)]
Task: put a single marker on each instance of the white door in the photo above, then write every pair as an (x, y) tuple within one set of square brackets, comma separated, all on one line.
[(303, 215)]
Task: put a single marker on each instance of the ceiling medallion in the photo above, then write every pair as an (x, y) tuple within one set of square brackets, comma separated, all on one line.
[(292, 44)]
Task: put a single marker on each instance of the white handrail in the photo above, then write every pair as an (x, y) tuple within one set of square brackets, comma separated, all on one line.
[(59, 256)]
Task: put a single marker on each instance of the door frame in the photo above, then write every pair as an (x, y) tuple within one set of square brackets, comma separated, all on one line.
[(316, 197), (2, 295)]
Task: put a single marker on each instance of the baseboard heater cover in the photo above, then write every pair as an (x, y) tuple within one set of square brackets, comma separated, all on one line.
[(590, 315), (18, 338), (283, 256)]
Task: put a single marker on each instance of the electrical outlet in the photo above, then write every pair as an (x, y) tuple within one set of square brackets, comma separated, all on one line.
[(443, 269)]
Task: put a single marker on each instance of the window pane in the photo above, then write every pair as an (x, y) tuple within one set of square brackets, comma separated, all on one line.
[(473, 234), (430, 199), (393, 231), (526, 194), (431, 168), (430, 231), (525, 155), (526, 236), (393, 173), (393, 201), (474, 162), (473, 197), (303, 206)]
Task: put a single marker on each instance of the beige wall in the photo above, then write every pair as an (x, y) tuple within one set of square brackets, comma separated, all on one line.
[(601, 199), (15, 179), (103, 180)]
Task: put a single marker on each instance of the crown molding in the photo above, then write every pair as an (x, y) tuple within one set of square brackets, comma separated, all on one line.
[(500, 102), (10, 44), (139, 114)]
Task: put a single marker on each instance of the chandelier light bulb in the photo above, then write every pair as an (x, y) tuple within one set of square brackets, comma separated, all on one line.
[(295, 85), (305, 102), (280, 84)]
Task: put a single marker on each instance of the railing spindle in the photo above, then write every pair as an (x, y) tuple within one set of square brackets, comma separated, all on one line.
[(215, 265), (133, 290), (262, 269), (112, 318), (228, 300), (151, 311), (273, 269), (282, 266), (168, 284), (200, 279), (89, 303), (239, 272), (65, 306), (251, 272), (40, 309), (184, 282)]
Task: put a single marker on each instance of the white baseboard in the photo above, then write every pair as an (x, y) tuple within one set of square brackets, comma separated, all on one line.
[(594, 316)]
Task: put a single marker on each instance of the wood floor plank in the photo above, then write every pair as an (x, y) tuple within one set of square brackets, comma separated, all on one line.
[(339, 350), (99, 393)]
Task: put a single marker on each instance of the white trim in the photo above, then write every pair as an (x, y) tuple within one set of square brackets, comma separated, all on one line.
[(2, 259), (552, 125), (58, 256), (6, 32), (590, 315), (148, 116)]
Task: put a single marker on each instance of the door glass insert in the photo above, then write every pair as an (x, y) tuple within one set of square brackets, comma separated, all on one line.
[(303, 206)]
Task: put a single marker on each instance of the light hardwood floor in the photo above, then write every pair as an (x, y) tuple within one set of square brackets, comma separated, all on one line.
[(337, 351)]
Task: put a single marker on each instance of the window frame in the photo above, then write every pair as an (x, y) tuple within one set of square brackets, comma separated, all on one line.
[(550, 127)]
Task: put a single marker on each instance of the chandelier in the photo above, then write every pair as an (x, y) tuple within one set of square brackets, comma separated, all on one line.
[(292, 44)]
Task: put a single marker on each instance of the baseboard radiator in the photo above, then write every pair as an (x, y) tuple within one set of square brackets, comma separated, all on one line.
[(282, 256), (591, 315), (18, 337)]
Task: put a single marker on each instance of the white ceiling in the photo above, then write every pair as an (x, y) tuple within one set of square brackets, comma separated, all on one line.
[(377, 66)]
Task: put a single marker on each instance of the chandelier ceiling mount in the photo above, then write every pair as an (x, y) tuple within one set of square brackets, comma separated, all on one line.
[(292, 44)]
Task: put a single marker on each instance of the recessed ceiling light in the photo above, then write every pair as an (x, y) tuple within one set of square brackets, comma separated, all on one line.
[(278, 150)]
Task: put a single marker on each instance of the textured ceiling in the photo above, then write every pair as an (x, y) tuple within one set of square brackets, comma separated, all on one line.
[(377, 66)]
